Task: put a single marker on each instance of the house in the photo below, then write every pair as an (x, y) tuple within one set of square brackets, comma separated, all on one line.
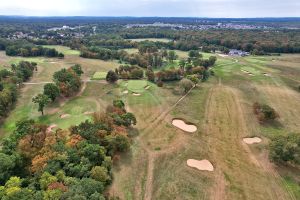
[(235, 52)]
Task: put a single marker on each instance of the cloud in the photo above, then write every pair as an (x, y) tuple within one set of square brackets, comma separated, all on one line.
[(184, 8)]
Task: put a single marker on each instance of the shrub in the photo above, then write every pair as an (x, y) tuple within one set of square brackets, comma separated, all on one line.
[(160, 83), (186, 85), (285, 148), (264, 112), (111, 77)]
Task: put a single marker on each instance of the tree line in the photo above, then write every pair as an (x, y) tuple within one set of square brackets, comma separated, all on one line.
[(26, 49), (10, 81)]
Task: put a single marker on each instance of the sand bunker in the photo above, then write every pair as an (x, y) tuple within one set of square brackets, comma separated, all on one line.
[(136, 94), (49, 129), (203, 165), (125, 92), (183, 126), (64, 115), (147, 87), (265, 74), (223, 55), (252, 140)]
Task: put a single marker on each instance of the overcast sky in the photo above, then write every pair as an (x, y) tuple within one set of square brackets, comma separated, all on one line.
[(168, 8)]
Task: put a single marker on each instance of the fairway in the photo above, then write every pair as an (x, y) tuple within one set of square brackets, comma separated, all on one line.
[(99, 76), (67, 51)]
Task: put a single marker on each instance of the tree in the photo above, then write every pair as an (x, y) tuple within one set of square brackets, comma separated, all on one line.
[(212, 60), (193, 78), (119, 103), (150, 75), (172, 56), (136, 73), (194, 54), (51, 90), (205, 75), (186, 85), (77, 69), (111, 76), (7, 163), (42, 100), (46, 179), (129, 119), (100, 173), (264, 112), (182, 63)]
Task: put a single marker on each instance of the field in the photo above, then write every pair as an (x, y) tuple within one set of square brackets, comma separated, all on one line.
[(221, 108)]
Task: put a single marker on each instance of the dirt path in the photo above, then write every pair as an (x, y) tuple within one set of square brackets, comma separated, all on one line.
[(239, 174)]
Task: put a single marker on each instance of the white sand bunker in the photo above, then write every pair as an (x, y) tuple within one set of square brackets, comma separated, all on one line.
[(203, 165), (265, 74), (125, 92), (136, 94), (64, 115), (252, 140), (147, 87), (183, 126), (49, 129), (223, 55)]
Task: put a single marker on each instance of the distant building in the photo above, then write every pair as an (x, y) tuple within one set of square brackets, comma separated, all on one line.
[(235, 52)]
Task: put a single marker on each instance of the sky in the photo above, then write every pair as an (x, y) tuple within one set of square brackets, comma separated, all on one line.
[(163, 8)]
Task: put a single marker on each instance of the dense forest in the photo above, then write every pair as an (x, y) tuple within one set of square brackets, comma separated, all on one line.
[(69, 164), (103, 34)]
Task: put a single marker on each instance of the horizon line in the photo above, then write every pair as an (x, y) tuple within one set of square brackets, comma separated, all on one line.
[(128, 16)]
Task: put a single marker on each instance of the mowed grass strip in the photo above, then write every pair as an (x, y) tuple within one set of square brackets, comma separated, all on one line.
[(63, 49), (99, 76)]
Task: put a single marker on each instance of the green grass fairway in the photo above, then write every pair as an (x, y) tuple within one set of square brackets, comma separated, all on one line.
[(99, 76), (137, 86), (62, 49)]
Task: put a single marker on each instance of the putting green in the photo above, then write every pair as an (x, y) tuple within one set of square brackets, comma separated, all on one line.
[(137, 86)]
